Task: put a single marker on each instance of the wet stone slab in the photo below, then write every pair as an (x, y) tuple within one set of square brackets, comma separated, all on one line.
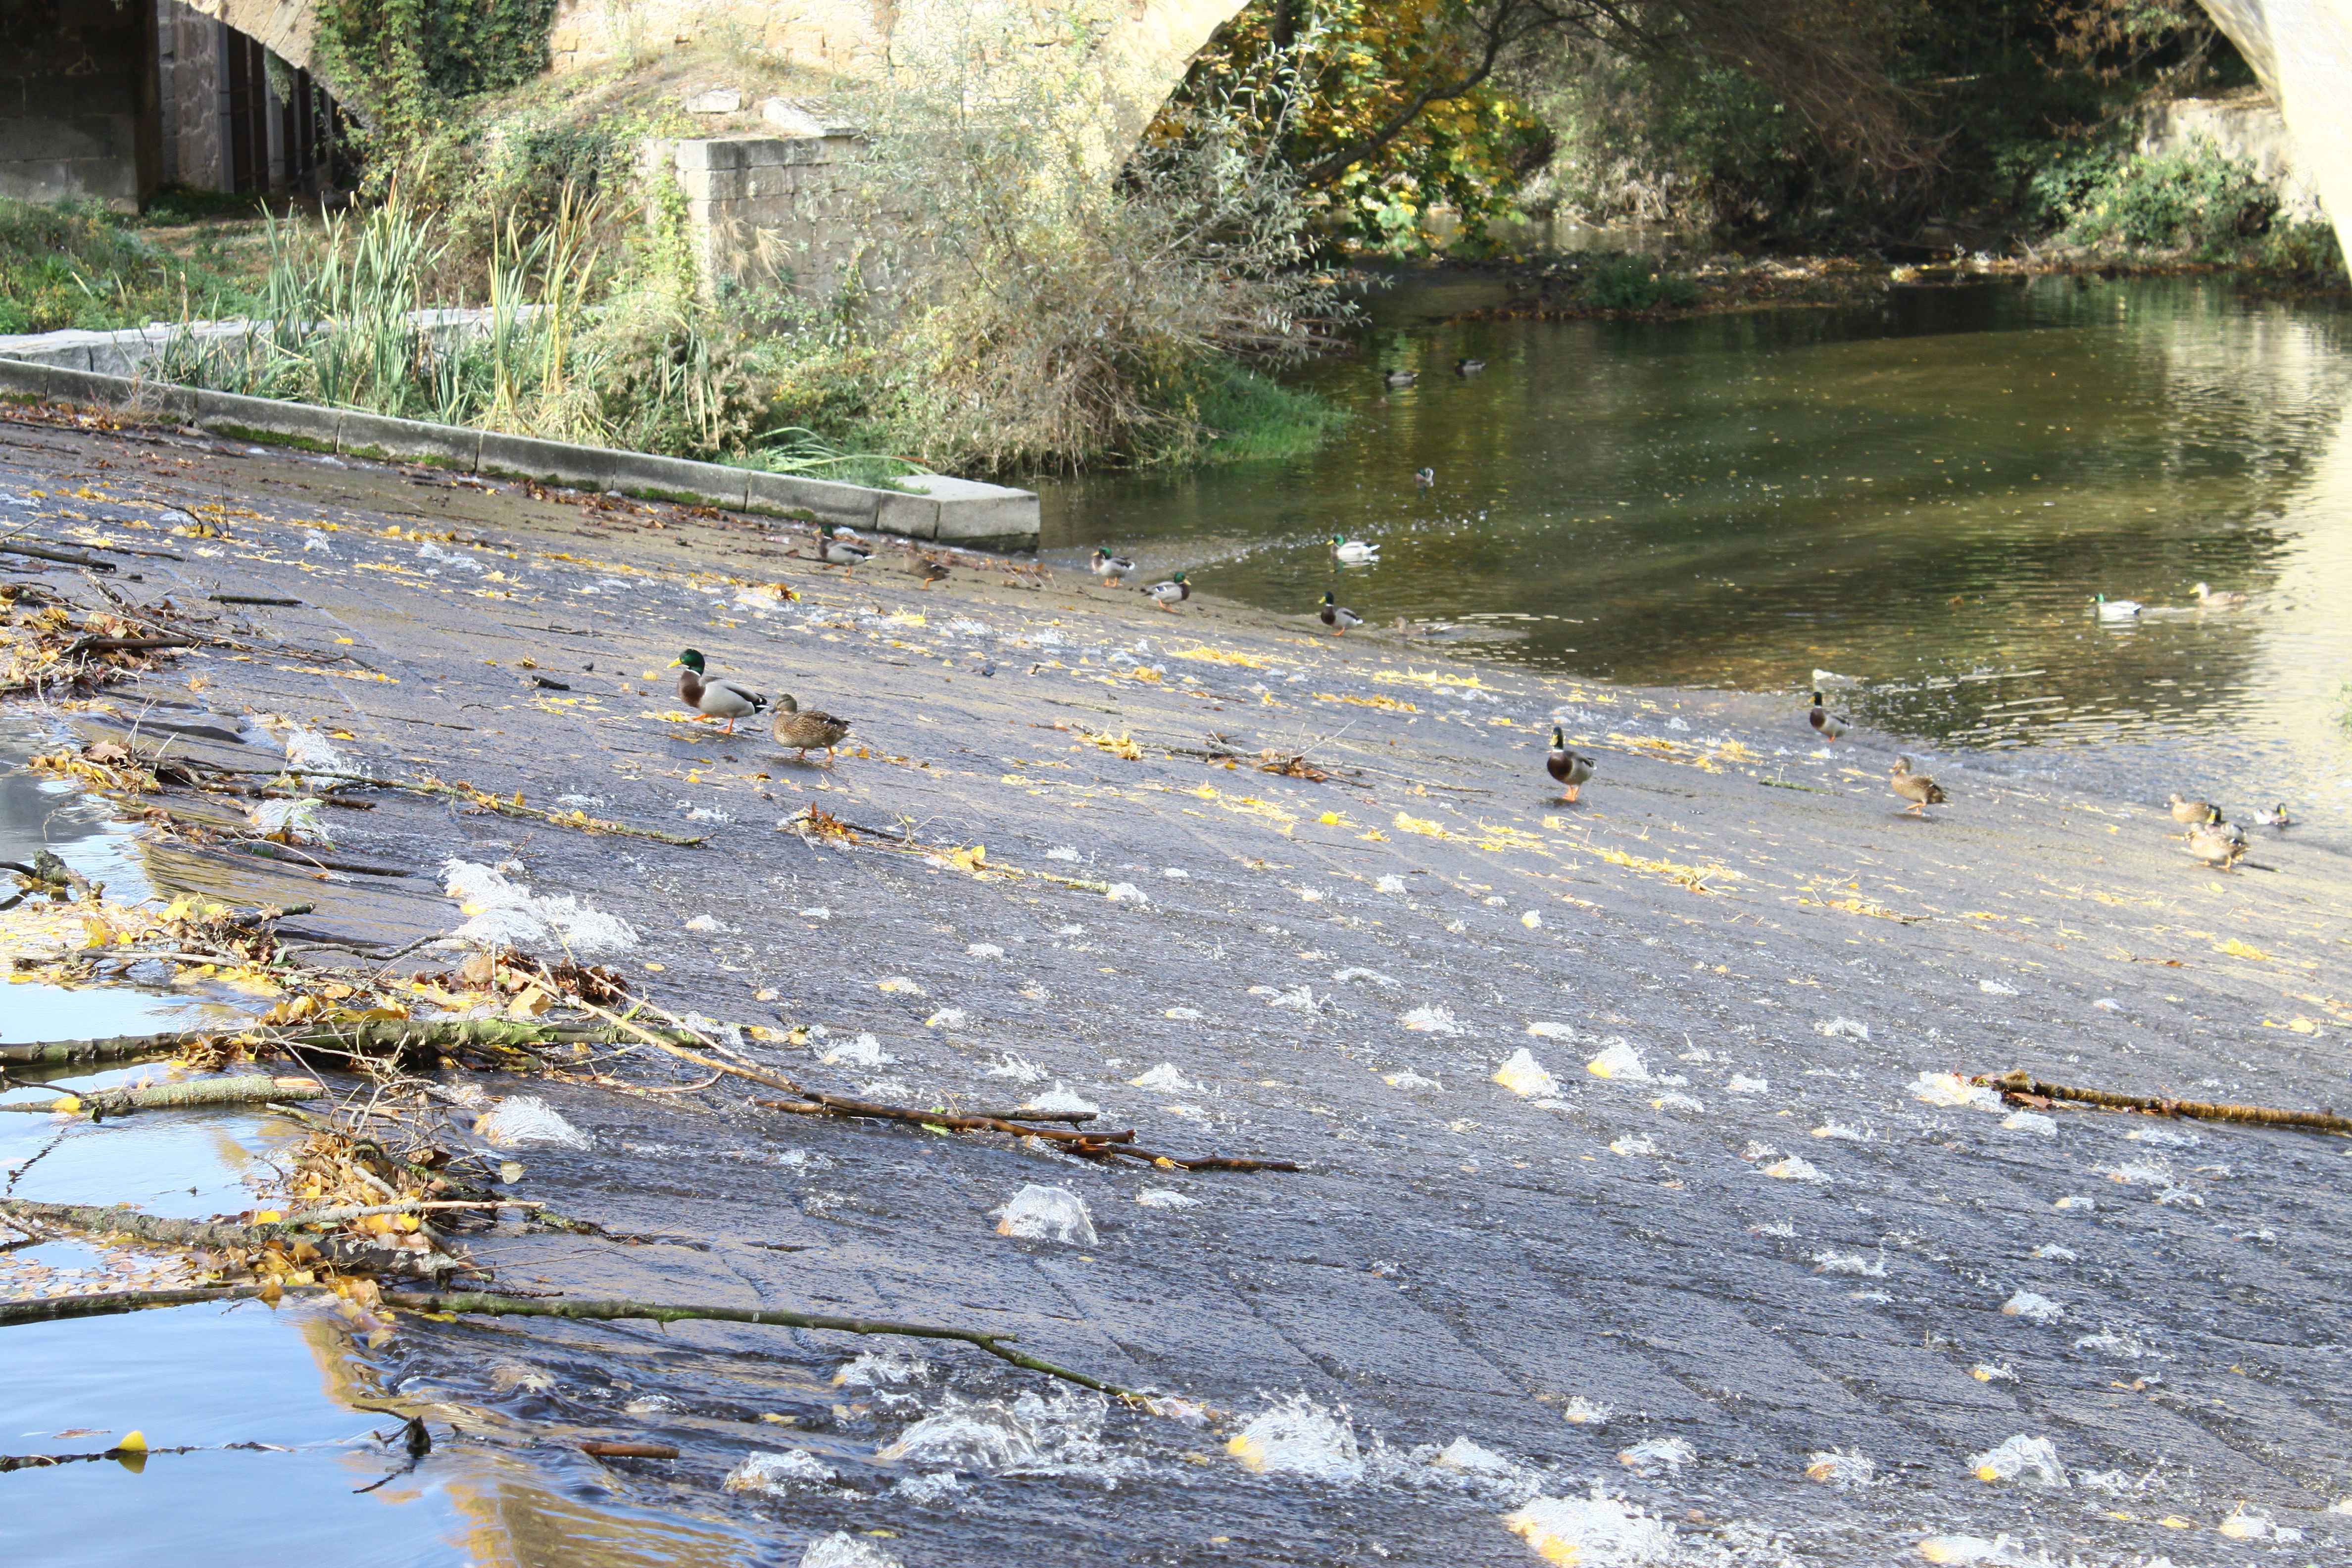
[(1742, 1229)]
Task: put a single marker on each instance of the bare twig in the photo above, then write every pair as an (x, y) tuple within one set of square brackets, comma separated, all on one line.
[(2019, 1083)]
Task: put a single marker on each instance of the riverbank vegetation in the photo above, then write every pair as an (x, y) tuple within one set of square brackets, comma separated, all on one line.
[(1023, 300)]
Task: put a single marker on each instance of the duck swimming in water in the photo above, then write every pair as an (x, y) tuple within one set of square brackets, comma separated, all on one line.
[(1355, 552)]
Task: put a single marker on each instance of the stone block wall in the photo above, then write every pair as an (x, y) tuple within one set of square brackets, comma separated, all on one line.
[(774, 208), (78, 102), (2245, 125)]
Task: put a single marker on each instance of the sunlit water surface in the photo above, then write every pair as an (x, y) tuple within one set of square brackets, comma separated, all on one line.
[(1925, 496)]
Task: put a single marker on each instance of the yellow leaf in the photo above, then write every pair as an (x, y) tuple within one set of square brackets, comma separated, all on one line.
[(133, 1443), (1422, 825)]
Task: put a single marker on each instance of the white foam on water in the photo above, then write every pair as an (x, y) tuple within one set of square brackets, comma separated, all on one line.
[(1410, 1079), (1060, 1101), (774, 1475), (1126, 893), (842, 1550), (1670, 1100), (1833, 1128), (507, 913), (1632, 1144), (1951, 1089), (1184, 1015), (1619, 1061), (1341, 976), (1166, 1198), (2052, 1250), (1430, 1021), (525, 1119), (1795, 1168), (1470, 1458), (1017, 1068), (1742, 1084), (1526, 1077), (1046, 1213), (1848, 1029), (865, 1051), (298, 819), (983, 950), (1581, 1412), (1836, 1468), (946, 1019), (1035, 1434), (1851, 1262), (2030, 1121), (1300, 1438), (1653, 1454), (1167, 1078), (1595, 1531), (883, 1369), (2033, 1307), (2031, 1459)]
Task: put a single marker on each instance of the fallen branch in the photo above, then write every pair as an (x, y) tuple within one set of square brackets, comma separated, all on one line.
[(475, 1303), (123, 645), (2019, 1083), (342, 1251), (67, 557), (480, 797), (105, 1102), (250, 599), (385, 1036)]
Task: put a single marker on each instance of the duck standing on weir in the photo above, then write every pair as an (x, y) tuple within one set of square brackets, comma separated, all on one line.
[(1338, 617), (714, 698), (1567, 769), (1111, 568), (1171, 594), (837, 551), (1833, 726), (805, 729), (1919, 789)]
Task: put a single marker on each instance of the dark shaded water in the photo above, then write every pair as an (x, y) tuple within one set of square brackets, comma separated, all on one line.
[(1925, 496)]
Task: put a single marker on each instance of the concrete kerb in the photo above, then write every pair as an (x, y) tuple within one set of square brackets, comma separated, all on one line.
[(961, 511)]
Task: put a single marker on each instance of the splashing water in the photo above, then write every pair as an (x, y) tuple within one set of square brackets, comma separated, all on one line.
[(2022, 1458), (526, 1118), (1047, 1214), (1598, 1532), (1300, 1438)]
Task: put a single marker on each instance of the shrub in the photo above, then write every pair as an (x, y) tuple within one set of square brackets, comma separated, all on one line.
[(1630, 283), (2198, 199)]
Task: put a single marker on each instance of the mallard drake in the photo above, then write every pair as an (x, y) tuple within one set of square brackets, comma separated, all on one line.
[(714, 698), (1339, 617), (2115, 609), (2276, 816), (2229, 599), (1171, 594), (1354, 551), (1920, 790), (1567, 769), (1402, 378), (804, 732), (1111, 568), (1468, 366), (838, 549), (1831, 725), (2217, 842), (2185, 811), (1424, 478)]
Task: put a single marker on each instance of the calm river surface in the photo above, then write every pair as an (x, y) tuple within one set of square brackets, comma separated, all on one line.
[(1925, 495)]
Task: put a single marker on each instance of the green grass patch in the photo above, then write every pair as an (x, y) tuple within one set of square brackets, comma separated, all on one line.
[(1253, 416), (75, 264)]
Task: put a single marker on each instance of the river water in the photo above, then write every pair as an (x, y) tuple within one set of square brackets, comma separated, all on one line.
[(1923, 495)]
